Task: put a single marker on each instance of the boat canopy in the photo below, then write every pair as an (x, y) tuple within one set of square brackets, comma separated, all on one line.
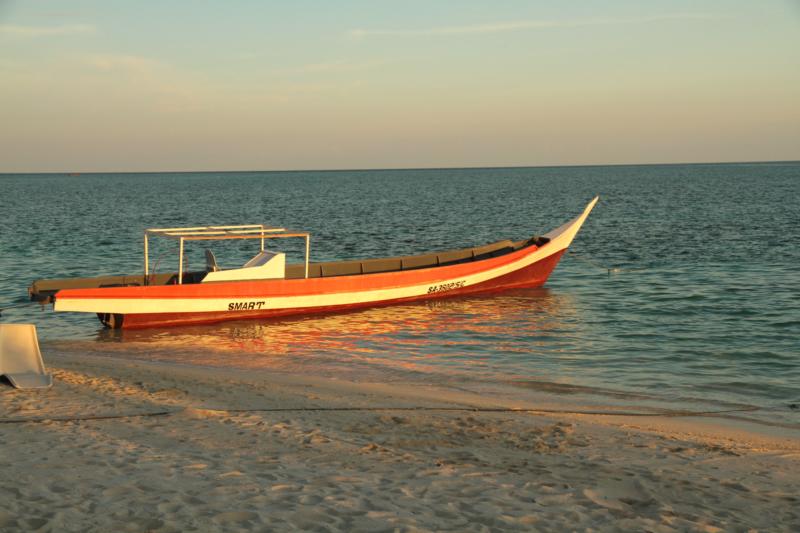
[(219, 233)]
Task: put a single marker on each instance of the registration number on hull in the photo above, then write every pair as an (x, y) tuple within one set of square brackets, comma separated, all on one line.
[(446, 287)]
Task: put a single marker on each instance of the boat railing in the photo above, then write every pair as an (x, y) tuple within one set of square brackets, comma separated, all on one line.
[(220, 233)]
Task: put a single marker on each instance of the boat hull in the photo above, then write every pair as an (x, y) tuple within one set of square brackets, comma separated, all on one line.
[(532, 276), (204, 303)]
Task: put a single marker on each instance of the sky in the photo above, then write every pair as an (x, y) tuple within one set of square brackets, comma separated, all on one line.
[(103, 86)]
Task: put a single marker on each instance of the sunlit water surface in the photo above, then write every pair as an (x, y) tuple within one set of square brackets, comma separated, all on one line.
[(702, 311)]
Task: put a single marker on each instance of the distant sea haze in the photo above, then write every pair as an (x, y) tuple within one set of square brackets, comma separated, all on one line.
[(703, 310)]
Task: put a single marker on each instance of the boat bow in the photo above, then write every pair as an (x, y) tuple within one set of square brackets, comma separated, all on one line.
[(562, 236)]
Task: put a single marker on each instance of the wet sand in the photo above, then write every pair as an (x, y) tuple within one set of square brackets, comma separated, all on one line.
[(222, 450)]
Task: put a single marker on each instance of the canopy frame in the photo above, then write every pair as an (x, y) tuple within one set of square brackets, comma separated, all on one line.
[(219, 233)]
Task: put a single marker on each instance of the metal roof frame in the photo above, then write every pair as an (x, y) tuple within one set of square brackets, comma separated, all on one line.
[(220, 233)]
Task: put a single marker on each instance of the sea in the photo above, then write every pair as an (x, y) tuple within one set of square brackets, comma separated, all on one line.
[(682, 290)]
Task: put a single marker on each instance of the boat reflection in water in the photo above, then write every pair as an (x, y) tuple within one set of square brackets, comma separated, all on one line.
[(455, 335)]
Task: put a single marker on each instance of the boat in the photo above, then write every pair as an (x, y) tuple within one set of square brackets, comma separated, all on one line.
[(266, 286)]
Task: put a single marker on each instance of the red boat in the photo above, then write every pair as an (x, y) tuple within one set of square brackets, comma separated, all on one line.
[(266, 286)]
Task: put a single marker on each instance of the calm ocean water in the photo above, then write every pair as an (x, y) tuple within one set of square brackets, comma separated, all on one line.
[(704, 311)]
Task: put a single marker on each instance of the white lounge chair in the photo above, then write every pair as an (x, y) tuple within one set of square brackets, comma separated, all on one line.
[(20, 358)]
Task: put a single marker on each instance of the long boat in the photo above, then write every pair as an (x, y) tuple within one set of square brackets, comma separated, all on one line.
[(265, 286)]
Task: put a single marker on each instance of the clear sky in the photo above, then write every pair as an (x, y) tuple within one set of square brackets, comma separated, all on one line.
[(100, 85)]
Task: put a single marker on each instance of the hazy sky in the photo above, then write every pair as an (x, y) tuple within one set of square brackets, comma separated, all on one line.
[(261, 85)]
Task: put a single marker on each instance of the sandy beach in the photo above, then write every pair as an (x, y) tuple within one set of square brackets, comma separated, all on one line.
[(201, 449), (400, 267)]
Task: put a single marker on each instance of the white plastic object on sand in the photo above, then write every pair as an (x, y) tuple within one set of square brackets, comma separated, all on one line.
[(20, 358)]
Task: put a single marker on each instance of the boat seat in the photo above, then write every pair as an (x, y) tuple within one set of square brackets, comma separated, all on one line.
[(371, 266), (344, 268), (419, 261), (493, 250), (295, 271), (211, 262), (298, 271), (455, 256), (314, 270)]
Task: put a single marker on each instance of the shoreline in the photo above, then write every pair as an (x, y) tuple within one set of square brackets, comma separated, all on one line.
[(604, 406), (230, 456)]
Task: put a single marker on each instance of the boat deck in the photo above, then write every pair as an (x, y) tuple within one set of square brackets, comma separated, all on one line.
[(45, 290)]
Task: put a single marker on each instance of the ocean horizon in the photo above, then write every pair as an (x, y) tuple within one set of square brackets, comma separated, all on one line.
[(379, 169)]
